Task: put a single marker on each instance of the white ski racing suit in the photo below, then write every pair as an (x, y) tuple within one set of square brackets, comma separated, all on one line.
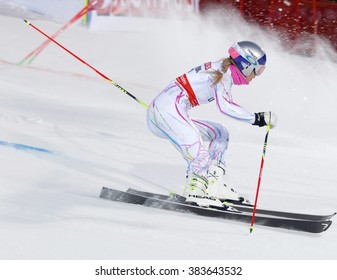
[(167, 115)]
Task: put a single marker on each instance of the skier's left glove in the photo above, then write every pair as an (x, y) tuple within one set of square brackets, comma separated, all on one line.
[(264, 118)]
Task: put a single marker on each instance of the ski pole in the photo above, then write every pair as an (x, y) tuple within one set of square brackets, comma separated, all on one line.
[(87, 64), (260, 176), (33, 54)]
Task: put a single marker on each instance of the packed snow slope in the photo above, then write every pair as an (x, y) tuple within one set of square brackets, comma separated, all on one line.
[(93, 135)]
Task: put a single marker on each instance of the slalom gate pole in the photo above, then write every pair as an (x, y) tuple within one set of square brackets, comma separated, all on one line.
[(92, 68), (33, 54), (259, 180), (85, 17)]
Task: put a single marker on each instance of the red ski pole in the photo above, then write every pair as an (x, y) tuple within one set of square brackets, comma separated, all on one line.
[(87, 64), (33, 54), (259, 180)]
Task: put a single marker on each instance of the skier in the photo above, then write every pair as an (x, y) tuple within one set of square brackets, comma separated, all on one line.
[(167, 117)]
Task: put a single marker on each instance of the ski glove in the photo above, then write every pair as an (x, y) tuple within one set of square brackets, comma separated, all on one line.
[(264, 118)]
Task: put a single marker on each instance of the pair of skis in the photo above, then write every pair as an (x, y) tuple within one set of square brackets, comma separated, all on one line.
[(241, 212)]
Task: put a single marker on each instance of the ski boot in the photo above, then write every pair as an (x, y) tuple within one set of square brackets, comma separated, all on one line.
[(217, 186), (196, 192)]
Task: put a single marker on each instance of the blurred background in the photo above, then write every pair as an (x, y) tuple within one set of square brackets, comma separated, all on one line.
[(298, 23)]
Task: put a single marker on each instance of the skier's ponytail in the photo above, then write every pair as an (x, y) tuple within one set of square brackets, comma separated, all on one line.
[(217, 74)]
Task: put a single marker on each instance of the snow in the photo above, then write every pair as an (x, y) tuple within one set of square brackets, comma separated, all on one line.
[(96, 136)]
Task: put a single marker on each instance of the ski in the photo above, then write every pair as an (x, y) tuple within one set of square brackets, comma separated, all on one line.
[(226, 213), (241, 207)]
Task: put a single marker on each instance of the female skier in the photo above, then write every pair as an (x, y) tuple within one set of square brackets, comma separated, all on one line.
[(167, 117)]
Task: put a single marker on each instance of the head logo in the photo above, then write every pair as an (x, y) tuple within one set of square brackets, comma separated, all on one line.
[(244, 65), (252, 54), (251, 60)]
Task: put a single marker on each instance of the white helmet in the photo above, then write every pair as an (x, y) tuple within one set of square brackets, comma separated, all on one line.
[(248, 57)]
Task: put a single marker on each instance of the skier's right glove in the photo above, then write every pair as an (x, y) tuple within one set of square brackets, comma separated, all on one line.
[(264, 118)]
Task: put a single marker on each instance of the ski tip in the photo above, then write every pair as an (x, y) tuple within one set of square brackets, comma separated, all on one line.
[(27, 21), (251, 228)]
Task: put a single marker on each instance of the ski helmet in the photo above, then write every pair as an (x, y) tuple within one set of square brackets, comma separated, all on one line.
[(248, 57)]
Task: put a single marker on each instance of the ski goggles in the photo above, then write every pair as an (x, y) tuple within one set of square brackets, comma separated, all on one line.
[(259, 69)]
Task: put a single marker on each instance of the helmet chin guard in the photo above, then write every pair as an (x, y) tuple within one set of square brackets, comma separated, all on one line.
[(248, 57)]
